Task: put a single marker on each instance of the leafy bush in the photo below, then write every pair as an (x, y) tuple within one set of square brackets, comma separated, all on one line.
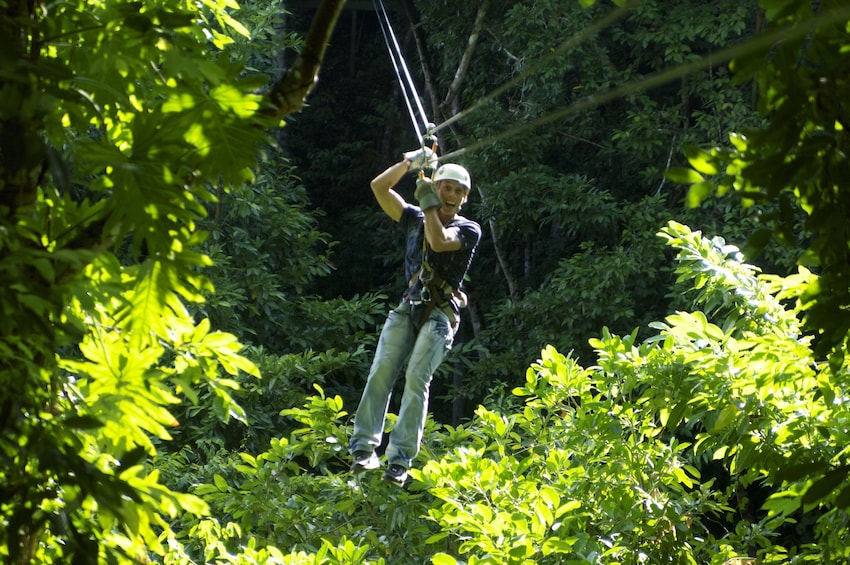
[(705, 442)]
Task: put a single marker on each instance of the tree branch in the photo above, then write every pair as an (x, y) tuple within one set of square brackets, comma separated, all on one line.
[(497, 248), (288, 94), (451, 96)]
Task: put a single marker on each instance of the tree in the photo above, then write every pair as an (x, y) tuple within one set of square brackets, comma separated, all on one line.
[(118, 124), (798, 159), (114, 145), (618, 461)]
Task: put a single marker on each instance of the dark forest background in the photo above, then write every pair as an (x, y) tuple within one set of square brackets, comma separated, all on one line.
[(570, 209)]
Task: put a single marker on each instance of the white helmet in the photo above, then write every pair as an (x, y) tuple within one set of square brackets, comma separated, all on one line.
[(450, 171)]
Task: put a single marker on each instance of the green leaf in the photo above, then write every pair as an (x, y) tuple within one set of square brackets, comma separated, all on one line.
[(739, 141), (568, 507), (133, 457), (676, 415), (437, 537), (683, 175), (826, 484), (698, 192), (443, 559), (700, 160), (842, 500), (220, 483), (726, 417), (559, 545)]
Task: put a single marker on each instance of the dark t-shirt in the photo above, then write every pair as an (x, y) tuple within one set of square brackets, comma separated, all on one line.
[(451, 266)]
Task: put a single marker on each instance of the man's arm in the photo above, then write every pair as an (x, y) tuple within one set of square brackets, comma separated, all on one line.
[(382, 185), (439, 237)]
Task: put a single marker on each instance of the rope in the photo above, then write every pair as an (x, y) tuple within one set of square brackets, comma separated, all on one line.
[(400, 66)]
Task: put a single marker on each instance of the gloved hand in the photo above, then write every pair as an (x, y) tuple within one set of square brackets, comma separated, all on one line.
[(422, 158), (425, 194)]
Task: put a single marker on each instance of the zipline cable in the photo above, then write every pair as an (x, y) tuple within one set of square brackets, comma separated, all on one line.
[(404, 67), (759, 42), (401, 83), (400, 66), (573, 41)]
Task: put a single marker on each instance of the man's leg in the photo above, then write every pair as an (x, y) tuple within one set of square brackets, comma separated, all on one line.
[(432, 343), (393, 347)]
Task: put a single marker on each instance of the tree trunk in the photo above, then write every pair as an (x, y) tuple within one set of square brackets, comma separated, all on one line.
[(422, 52)]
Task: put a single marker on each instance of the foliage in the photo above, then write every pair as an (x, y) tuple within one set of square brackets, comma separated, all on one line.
[(692, 446), (597, 282), (124, 124), (268, 255), (265, 251), (703, 443), (117, 122), (294, 496), (797, 159)]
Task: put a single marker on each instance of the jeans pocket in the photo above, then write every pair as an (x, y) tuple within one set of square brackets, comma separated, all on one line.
[(443, 326)]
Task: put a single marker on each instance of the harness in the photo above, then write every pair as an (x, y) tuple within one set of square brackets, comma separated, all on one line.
[(436, 292)]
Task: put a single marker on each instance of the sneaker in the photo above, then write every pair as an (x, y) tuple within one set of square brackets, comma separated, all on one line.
[(395, 474), (364, 461)]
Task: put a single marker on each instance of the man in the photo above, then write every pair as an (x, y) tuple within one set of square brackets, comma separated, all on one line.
[(440, 245)]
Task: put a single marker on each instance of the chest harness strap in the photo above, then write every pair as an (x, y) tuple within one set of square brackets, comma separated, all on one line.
[(436, 292)]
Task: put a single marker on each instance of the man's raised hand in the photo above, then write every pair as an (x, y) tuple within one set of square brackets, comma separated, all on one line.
[(422, 158)]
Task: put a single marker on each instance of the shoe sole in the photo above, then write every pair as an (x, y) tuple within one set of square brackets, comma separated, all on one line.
[(394, 481), (357, 469), (366, 465)]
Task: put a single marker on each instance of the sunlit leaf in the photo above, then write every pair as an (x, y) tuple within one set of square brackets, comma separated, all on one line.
[(683, 175), (698, 192)]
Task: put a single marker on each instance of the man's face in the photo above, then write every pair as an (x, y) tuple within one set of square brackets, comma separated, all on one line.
[(452, 195)]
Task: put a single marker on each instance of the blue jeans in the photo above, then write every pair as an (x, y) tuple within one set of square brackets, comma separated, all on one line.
[(424, 351)]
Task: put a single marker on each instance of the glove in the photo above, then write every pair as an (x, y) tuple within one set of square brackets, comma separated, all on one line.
[(425, 194), (422, 158)]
